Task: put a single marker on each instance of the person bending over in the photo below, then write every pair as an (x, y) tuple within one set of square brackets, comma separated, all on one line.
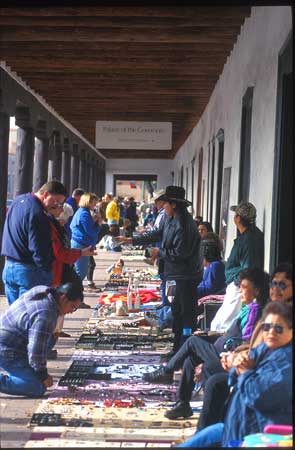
[(27, 327)]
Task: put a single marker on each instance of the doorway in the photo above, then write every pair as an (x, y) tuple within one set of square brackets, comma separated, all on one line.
[(282, 207)]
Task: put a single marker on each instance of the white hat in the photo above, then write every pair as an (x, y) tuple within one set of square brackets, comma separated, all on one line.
[(158, 194), (67, 212)]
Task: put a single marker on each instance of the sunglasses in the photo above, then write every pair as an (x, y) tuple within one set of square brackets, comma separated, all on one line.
[(278, 284), (267, 327)]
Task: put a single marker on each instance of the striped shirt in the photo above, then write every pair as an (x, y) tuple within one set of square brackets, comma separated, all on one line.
[(27, 326)]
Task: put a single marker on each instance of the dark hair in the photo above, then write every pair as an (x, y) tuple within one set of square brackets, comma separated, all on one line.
[(114, 229), (210, 250), (207, 225), (260, 280), (54, 188), (246, 222), (286, 268), (181, 207), (284, 310), (78, 191), (73, 291)]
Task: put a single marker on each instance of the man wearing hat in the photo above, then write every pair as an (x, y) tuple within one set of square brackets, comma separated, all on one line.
[(178, 259), (247, 251)]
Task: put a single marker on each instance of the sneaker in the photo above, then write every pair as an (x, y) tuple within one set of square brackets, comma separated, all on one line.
[(158, 376), (52, 354), (181, 409), (93, 288), (84, 306)]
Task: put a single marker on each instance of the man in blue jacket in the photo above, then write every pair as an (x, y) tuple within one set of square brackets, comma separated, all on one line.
[(73, 201), (26, 242)]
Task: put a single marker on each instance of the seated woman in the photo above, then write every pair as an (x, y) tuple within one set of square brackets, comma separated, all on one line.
[(197, 350), (261, 384), (216, 389)]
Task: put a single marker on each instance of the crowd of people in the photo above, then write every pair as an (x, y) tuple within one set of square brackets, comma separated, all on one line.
[(244, 367)]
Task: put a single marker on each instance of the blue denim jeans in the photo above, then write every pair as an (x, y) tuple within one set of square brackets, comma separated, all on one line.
[(21, 379), (81, 265), (18, 278), (208, 437)]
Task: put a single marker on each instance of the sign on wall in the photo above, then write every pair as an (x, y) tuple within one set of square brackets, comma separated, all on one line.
[(134, 135)]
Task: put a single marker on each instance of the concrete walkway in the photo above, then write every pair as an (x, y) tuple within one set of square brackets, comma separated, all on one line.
[(16, 412)]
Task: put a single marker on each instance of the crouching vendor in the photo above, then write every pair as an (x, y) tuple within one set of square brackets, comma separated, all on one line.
[(26, 330)]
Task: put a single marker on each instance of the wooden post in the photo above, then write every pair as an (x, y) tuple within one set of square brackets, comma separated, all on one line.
[(66, 164), (24, 152), (40, 175), (74, 167), (82, 170), (4, 145)]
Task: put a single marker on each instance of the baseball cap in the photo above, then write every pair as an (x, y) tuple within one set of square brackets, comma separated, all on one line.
[(246, 210)]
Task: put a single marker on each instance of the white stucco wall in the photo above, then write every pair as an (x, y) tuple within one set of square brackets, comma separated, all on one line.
[(252, 62), (160, 167)]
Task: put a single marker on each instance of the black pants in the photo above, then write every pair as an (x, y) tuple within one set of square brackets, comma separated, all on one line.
[(91, 267), (184, 310), (193, 352), (216, 392)]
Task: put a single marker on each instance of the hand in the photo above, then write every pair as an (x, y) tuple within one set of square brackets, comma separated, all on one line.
[(88, 251), (48, 382), (123, 240), (227, 359), (243, 363), (154, 251), (198, 373)]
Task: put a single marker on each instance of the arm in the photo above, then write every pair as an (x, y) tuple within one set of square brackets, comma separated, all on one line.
[(148, 238), (268, 386), (38, 338), (88, 226), (39, 242), (181, 247)]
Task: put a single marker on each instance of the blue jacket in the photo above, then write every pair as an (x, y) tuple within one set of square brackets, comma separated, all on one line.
[(260, 396), (27, 233), (213, 280), (84, 229), (72, 202)]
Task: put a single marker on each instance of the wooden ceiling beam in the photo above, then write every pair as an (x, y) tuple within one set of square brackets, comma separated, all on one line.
[(115, 48), (80, 34), (186, 12)]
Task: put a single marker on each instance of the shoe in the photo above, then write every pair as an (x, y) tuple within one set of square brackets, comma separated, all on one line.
[(63, 334), (151, 320), (93, 288), (52, 354), (181, 409), (84, 306), (159, 376)]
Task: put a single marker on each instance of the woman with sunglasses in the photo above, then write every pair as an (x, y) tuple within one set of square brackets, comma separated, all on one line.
[(261, 384), (216, 389)]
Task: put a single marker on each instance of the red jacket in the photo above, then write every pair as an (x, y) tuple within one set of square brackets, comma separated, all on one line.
[(62, 255)]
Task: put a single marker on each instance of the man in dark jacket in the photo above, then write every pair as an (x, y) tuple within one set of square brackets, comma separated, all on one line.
[(247, 252), (178, 258), (26, 240), (73, 201)]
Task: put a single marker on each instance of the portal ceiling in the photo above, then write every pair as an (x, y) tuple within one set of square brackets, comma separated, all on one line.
[(152, 64)]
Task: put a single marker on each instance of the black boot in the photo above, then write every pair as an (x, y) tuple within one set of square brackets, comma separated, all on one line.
[(159, 376), (181, 409)]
